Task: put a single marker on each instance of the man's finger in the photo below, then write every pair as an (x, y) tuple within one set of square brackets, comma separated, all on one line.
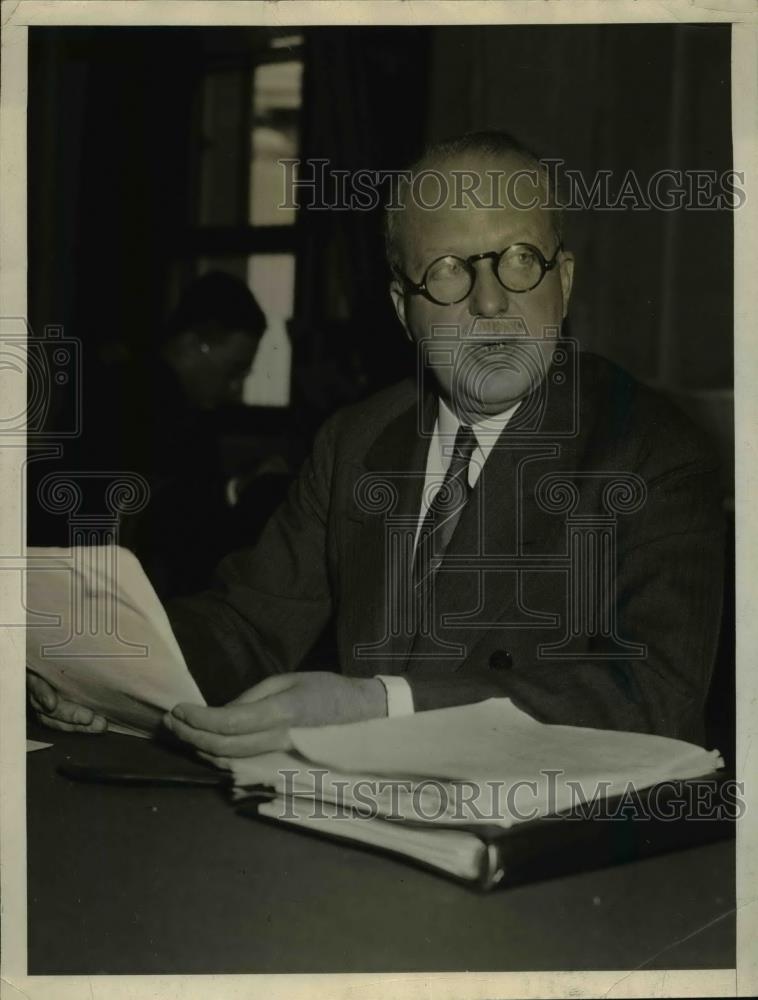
[(69, 711), (97, 725), (43, 696), (79, 716), (232, 719), (274, 684), (222, 745), (42, 705)]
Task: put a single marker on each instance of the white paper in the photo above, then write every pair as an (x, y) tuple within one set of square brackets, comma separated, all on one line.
[(98, 634), (457, 852), (493, 740), (547, 769)]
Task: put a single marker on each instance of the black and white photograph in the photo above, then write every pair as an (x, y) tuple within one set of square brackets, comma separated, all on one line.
[(377, 398)]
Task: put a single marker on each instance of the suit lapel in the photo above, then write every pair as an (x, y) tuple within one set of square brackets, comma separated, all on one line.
[(504, 518), (381, 525)]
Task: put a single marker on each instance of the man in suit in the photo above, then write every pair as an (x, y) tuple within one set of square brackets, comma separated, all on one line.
[(521, 521)]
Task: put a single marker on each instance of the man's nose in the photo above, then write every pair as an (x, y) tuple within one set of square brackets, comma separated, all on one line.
[(488, 297)]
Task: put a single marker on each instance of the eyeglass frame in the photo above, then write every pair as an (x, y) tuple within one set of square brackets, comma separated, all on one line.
[(468, 262)]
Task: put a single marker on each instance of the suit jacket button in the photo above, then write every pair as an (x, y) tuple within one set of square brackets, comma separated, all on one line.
[(501, 659)]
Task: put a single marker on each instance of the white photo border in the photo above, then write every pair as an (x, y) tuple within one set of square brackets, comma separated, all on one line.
[(15, 17)]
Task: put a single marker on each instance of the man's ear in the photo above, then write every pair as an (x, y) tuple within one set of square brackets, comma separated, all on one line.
[(398, 301), (566, 270)]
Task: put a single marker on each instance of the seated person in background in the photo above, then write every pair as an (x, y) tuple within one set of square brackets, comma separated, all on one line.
[(510, 526), (208, 348), (157, 412), (211, 339)]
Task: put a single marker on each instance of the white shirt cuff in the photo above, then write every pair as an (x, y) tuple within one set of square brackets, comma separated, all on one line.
[(399, 695)]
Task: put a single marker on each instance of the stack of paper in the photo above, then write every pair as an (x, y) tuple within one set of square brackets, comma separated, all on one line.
[(437, 785), (489, 745)]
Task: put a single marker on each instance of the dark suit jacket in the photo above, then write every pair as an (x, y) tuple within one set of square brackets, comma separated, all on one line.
[(584, 578)]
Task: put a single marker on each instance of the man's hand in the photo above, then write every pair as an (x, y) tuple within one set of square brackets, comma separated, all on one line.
[(260, 719), (57, 713)]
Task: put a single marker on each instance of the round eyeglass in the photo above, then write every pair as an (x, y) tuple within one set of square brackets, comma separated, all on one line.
[(450, 279)]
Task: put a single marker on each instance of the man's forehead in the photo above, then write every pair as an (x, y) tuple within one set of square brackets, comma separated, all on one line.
[(472, 229), (490, 194)]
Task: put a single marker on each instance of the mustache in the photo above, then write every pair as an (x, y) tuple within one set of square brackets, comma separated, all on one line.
[(481, 329), (497, 328)]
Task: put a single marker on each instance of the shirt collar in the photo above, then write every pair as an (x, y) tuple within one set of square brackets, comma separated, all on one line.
[(487, 430)]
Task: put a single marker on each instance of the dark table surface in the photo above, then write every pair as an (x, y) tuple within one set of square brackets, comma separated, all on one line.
[(171, 880)]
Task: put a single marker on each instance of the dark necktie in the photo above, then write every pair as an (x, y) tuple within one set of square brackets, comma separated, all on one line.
[(445, 509)]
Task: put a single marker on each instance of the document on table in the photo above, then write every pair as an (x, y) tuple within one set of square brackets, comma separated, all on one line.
[(490, 744), (456, 788), (491, 740), (98, 634)]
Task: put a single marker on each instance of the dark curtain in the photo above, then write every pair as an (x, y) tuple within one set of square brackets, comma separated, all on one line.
[(365, 95), (653, 289), (109, 162), (109, 159)]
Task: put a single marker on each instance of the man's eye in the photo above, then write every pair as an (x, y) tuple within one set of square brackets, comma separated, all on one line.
[(521, 258), (449, 267)]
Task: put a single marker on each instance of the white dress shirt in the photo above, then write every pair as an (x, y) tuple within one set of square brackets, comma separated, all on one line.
[(487, 431)]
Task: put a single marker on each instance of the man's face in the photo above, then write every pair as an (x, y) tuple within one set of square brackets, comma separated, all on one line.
[(221, 365), (493, 348)]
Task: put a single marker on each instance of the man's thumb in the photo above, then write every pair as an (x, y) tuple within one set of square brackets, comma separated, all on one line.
[(270, 686)]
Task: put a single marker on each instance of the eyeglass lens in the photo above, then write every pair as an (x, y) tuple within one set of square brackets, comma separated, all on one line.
[(450, 279)]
